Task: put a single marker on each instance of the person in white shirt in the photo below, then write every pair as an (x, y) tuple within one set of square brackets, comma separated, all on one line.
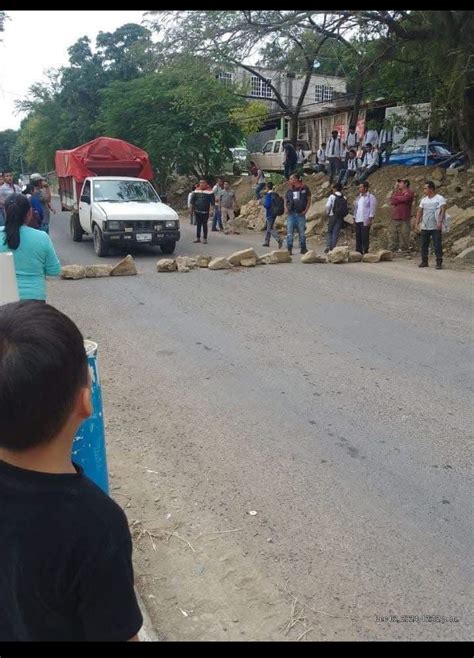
[(321, 159), (430, 214), (364, 212), (370, 163), (336, 209), (350, 168), (352, 138), (300, 157), (334, 153), (371, 137)]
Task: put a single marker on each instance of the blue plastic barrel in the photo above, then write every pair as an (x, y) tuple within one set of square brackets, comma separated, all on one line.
[(88, 448)]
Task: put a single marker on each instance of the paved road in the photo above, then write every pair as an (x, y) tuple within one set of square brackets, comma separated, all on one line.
[(334, 400)]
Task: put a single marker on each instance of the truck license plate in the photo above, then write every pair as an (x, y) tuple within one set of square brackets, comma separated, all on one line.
[(144, 237)]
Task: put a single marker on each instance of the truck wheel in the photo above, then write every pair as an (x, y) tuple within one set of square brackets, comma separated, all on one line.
[(101, 248), (76, 229), (168, 248)]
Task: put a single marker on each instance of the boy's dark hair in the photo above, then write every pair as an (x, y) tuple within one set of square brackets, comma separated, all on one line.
[(338, 187), (430, 184), (270, 185), (365, 184), (43, 365)]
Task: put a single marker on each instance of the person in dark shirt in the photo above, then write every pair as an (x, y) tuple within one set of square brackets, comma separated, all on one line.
[(290, 158), (65, 547), (202, 199), (297, 202)]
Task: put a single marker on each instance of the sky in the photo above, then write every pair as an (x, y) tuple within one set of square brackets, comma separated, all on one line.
[(35, 41)]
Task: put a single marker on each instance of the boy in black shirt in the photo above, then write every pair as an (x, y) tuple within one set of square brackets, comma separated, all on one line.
[(65, 547)]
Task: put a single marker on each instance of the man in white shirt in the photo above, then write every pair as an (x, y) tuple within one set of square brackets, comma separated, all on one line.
[(352, 138), (8, 187), (350, 168), (364, 212), (371, 137), (321, 159), (430, 214), (334, 153), (370, 163)]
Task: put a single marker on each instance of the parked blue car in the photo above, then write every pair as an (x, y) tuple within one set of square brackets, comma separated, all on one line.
[(412, 153)]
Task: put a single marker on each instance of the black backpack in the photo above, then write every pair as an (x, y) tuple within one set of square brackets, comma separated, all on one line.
[(277, 205), (340, 208)]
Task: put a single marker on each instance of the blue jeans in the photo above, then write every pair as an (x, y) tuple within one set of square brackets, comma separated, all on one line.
[(297, 222), (334, 226), (258, 190), (271, 232), (217, 219)]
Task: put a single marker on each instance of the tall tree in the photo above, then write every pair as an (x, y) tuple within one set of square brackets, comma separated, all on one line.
[(233, 38)]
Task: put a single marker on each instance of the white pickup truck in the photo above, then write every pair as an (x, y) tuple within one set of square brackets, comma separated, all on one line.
[(118, 211), (105, 184)]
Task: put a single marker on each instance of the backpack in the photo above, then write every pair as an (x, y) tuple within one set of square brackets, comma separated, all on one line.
[(277, 205), (340, 208)]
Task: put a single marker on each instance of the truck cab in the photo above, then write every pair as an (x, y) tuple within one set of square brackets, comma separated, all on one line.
[(118, 210)]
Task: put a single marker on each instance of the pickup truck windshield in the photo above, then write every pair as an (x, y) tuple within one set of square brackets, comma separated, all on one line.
[(124, 190)]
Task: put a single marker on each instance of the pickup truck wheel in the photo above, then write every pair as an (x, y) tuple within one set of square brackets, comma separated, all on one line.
[(101, 248), (168, 248), (76, 229)]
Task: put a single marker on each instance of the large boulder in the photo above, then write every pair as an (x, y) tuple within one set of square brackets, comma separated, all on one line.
[(377, 256), (203, 261), (355, 257), (248, 262), (185, 262), (316, 210), (312, 257), (462, 244), (462, 221), (466, 256), (126, 267), (314, 226), (339, 255), (96, 271), (220, 263), (166, 265), (73, 272), (238, 256), (279, 256)]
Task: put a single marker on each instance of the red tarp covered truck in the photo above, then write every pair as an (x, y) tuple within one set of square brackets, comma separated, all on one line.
[(105, 184)]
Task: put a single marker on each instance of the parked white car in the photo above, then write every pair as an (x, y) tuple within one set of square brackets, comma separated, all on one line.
[(270, 158)]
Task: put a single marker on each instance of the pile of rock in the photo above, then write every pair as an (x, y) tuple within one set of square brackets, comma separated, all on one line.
[(243, 258), (125, 267)]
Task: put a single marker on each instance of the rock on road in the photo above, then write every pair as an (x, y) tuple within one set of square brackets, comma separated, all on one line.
[(334, 400)]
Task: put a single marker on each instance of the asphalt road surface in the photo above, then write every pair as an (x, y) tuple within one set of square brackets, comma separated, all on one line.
[(335, 401)]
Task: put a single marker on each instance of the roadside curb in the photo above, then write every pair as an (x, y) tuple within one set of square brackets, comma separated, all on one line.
[(147, 632)]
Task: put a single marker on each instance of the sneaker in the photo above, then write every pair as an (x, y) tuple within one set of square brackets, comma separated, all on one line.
[(204, 241), (198, 240), (303, 250), (213, 229), (423, 265), (439, 266), (265, 244), (327, 250), (280, 243)]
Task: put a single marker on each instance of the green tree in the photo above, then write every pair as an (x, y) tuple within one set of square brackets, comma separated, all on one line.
[(7, 143), (181, 115)]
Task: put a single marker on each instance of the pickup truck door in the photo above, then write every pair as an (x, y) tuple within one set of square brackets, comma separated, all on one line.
[(277, 156), (85, 206)]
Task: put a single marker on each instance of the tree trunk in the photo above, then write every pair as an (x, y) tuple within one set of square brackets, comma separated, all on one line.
[(294, 129), (465, 126), (354, 117)]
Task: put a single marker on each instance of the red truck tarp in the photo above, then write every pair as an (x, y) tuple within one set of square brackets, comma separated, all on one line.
[(104, 156)]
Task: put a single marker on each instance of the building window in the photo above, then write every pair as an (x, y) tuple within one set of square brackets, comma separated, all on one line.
[(323, 93), (259, 88), (226, 77)]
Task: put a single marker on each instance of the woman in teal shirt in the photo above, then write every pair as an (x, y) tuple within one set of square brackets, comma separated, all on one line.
[(33, 251)]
